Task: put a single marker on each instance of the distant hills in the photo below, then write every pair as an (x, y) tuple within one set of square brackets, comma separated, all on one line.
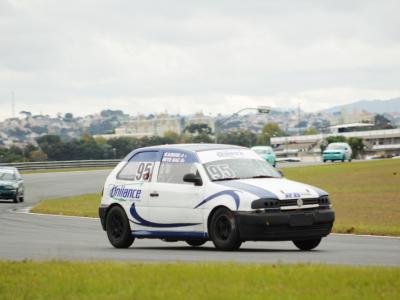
[(372, 106)]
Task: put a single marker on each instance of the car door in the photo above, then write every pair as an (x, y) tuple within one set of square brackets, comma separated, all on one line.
[(131, 187), (172, 201)]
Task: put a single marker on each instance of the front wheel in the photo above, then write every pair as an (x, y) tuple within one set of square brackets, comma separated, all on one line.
[(118, 229), (307, 245), (196, 243), (16, 197), (224, 231)]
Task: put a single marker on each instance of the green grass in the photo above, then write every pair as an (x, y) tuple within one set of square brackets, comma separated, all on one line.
[(106, 280), (83, 206), (65, 170), (365, 196)]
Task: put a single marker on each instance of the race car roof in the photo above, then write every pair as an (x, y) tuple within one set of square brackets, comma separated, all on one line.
[(193, 147)]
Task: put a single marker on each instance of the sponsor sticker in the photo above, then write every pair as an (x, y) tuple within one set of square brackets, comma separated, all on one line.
[(174, 157), (292, 195), (122, 192), (230, 153)]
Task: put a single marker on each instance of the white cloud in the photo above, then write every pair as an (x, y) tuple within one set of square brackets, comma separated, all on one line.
[(186, 56)]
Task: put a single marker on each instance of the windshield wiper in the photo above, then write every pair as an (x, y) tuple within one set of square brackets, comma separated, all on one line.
[(228, 178), (262, 176)]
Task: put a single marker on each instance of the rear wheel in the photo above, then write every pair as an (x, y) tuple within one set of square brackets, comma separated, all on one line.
[(306, 245), (224, 231), (196, 243), (118, 229)]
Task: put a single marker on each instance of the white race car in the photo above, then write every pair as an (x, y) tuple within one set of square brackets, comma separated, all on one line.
[(200, 192)]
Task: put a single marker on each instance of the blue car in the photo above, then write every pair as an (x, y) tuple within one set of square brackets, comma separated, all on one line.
[(337, 151)]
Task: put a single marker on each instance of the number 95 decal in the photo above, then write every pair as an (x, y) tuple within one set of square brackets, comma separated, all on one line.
[(220, 171), (144, 171)]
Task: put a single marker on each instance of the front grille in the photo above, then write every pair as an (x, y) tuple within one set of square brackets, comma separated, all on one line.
[(293, 202)]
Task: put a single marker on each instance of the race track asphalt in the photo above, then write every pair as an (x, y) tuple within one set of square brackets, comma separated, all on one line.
[(42, 237)]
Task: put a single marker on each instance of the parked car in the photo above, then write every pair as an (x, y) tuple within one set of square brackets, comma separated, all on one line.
[(337, 151), (11, 184), (267, 153), (200, 192)]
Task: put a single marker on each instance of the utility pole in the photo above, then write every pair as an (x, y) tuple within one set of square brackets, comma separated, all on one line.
[(12, 104), (298, 119)]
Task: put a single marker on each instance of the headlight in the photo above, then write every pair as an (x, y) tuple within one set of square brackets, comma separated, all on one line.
[(324, 200)]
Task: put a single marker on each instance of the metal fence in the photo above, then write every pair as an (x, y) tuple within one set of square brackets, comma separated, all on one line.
[(49, 165)]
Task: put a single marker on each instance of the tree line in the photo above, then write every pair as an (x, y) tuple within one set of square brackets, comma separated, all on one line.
[(54, 148)]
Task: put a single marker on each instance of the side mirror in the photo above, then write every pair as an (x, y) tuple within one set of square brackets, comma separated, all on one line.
[(280, 172), (193, 178)]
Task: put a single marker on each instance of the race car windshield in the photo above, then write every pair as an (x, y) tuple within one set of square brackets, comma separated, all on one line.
[(7, 176), (262, 151), (230, 169), (336, 147)]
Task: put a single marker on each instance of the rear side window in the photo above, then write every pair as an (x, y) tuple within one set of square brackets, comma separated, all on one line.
[(174, 166), (140, 167)]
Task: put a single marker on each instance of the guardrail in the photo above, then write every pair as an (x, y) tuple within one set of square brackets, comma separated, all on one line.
[(51, 165)]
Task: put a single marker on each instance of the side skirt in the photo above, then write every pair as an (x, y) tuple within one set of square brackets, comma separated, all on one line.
[(180, 235)]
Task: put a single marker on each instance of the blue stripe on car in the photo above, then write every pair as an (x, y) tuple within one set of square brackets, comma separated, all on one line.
[(231, 193), (259, 192), (143, 222)]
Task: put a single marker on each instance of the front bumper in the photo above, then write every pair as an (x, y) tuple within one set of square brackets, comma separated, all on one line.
[(8, 194), (333, 157), (285, 225)]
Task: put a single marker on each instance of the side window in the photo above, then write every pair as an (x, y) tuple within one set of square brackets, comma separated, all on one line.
[(173, 168), (139, 168)]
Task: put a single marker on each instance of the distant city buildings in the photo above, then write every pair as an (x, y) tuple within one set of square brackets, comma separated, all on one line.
[(384, 142), (159, 125), (109, 124)]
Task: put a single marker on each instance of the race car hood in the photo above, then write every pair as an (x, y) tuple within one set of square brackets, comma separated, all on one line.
[(6, 182), (277, 188)]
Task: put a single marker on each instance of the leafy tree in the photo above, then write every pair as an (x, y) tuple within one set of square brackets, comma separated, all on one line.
[(357, 146), (244, 138), (201, 138), (38, 155), (268, 131), (311, 131), (172, 136), (336, 139), (68, 117), (198, 128)]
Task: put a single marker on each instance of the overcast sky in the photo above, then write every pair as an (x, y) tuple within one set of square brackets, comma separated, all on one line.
[(82, 56)]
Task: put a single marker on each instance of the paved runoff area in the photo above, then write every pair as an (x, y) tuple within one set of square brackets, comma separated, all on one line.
[(44, 237)]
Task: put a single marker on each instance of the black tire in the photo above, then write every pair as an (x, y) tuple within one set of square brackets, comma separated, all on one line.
[(224, 231), (21, 197), (118, 229), (196, 242), (307, 245)]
